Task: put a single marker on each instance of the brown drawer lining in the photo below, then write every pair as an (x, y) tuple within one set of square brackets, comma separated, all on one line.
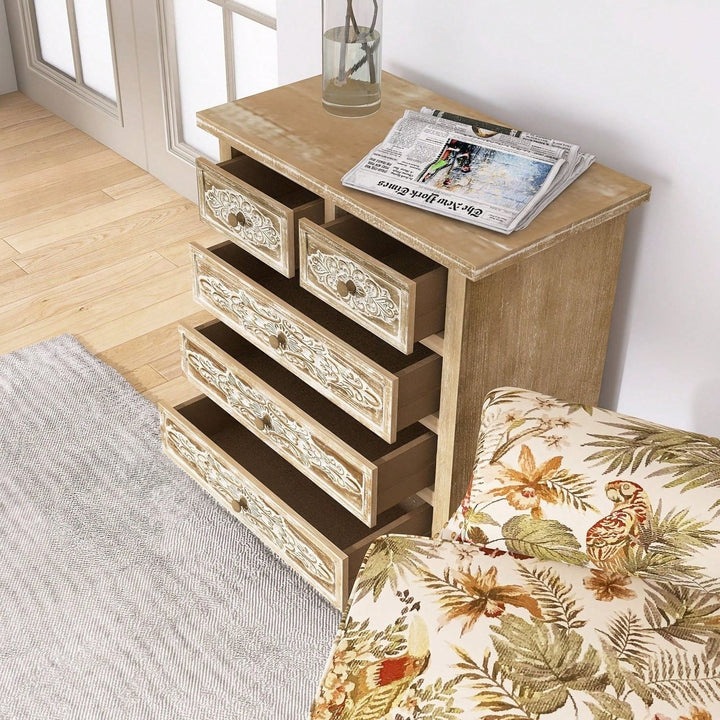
[(366, 442), (289, 290), (326, 515)]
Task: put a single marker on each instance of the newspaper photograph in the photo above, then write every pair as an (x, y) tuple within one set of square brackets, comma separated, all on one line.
[(485, 174)]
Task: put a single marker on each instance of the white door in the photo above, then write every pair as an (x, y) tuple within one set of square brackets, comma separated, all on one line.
[(136, 82), (67, 59)]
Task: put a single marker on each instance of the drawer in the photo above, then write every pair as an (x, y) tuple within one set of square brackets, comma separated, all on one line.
[(319, 539), (382, 388), (361, 471), (382, 284), (256, 207)]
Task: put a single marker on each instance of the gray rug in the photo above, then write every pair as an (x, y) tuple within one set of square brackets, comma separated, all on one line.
[(125, 590)]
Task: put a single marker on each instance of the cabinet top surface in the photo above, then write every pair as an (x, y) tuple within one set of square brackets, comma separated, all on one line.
[(288, 130)]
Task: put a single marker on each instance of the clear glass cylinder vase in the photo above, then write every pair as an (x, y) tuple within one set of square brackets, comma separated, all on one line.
[(352, 58)]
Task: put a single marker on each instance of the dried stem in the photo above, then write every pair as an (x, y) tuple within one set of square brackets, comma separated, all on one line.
[(368, 48)]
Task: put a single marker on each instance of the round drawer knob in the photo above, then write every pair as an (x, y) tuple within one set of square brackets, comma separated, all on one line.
[(346, 287), (235, 219), (263, 423), (278, 342), (238, 505)]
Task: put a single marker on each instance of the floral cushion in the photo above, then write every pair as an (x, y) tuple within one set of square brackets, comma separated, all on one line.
[(444, 630), (585, 486)]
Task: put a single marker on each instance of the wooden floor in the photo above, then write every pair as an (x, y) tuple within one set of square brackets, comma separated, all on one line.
[(92, 245)]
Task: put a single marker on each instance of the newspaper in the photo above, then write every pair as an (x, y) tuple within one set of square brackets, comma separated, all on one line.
[(485, 174)]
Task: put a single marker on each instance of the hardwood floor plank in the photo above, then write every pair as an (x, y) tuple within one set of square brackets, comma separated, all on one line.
[(85, 221), (30, 130), (19, 309), (178, 251), (153, 347), (18, 221), (50, 185), (119, 306), (147, 318), (46, 152), (145, 378), (173, 392), (6, 251), (141, 183), (98, 249), (10, 271), (169, 366), (108, 243)]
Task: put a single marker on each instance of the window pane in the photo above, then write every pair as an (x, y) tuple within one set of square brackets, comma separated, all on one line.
[(95, 52), (269, 7), (256, 65), (54, 35), (201, 68)]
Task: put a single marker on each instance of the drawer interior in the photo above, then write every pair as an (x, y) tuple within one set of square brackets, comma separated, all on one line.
[(346, 329), (366, 442), (389, 251), (268, 182), (320, 510)]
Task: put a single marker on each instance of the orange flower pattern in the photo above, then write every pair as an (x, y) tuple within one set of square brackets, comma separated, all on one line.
[(485, 598), (530, 485), (607, 586)]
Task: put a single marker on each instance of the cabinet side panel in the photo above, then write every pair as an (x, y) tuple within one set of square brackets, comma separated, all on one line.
[(542, 324)]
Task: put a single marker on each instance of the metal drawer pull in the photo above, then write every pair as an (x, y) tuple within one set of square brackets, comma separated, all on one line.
[(236, 218), (346, 287), (278, 342)]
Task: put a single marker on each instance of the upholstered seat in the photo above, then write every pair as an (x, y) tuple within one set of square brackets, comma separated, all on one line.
[(615, 615)]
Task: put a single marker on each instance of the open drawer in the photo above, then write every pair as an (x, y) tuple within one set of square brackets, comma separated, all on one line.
[(310, 531), (382, 388), (256, 207), (352, 464), (382, 284)]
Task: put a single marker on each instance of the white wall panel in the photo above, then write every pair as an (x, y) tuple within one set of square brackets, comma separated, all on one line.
[(7, 69)]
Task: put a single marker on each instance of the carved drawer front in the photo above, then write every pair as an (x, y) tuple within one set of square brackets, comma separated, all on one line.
[(385, 286), (381, 388), (354, 466), (293, 517), (256, 208)]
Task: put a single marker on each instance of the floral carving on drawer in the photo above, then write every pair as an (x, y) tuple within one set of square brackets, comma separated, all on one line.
[(243, 218), (276, 426), (258, 319), (261, 518), (356, 287)]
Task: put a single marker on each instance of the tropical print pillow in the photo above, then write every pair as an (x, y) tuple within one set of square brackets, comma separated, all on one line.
[(442, 630), (585, 486)]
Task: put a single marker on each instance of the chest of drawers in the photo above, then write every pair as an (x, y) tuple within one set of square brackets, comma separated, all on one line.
[(355, 338)]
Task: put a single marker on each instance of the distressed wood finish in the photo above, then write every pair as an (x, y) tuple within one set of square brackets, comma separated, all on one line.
[(189, 435), (288, 130), (380, 399), (363, 485), (532, 308), (402, 301), (542, 323), (263, 224)]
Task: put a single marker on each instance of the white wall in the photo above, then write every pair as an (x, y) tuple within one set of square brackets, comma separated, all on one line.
[(635, 83), (7, 69)]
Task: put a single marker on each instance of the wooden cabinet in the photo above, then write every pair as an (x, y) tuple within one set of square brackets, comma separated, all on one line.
[(356, 337)]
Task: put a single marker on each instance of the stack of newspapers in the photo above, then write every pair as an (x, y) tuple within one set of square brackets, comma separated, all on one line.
[(485, 174)]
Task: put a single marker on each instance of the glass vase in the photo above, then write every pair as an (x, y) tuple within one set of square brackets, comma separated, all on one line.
[(352, 34)]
